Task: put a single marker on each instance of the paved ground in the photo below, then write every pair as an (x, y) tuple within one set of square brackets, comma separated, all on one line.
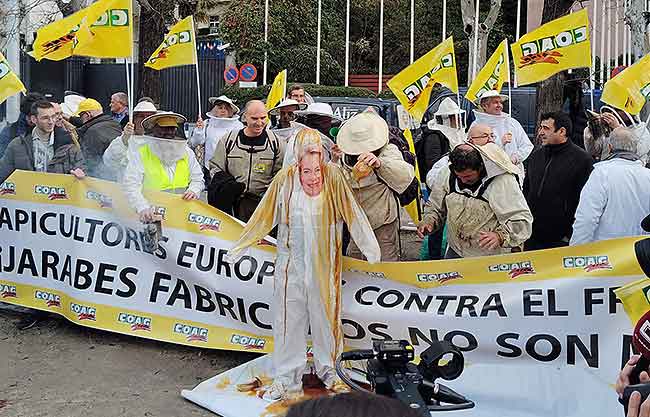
[(60, 369)]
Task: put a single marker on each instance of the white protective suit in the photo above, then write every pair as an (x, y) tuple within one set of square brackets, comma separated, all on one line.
[(116, 156), (613, 202), (214, 130), (520, 146), (134, 172), (307, 280)]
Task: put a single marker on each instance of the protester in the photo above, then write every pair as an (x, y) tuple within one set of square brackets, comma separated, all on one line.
[(252, 156), (95, 134), (163, 162), (220, 122), (376, 171), (60, 122), (284, 112), (309, 202), (318, 116), (352, 405), (120, 108), (510, 136), (556, 174), (480, 197), (443, 132), (21, 126), (297, 92), (116, 156), (597, 132), (616, 197), (69, 107)]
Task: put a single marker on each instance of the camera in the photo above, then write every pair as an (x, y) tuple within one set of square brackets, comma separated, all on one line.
[(391, 372)]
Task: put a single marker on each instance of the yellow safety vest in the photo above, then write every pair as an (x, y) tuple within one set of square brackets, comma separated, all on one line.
[(155, 175)]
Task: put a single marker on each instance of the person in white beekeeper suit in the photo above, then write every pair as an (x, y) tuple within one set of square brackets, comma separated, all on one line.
[(308, 201), (221, 120), (509, 134)]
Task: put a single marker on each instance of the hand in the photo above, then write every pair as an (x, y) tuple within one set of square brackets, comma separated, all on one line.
[(370, 159), (635, 408), (147, 215), (489, 240), (624, 377), (424, 229), (199, 123), (514, 159), (127, 132), (78, 173), (189, 195), (337, 154), (611, 120), (506, 138)]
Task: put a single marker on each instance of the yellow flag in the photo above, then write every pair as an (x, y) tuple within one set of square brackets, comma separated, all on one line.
[(553, 47), (111, 34), (630, 89), (635, 297), (438, 66), (492, 76), (10, 84), (178, 48), (277, 90), (413, 208)]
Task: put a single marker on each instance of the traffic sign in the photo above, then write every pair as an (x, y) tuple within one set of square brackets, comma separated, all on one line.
[(248, 72), (231, 75)]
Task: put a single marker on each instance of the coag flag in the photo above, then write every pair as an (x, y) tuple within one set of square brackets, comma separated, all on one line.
[(635, 297), (553, 47), (492, 76), (438, 66), (278, 90), (110, 35), (413, 209), (630, 89), (10, 84), (178, 48)]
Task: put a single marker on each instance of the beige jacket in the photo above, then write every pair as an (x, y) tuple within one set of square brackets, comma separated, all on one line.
[(373, 194), (502, 209), (253, 166)]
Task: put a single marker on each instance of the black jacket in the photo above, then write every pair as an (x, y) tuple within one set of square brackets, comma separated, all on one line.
[(554, 179), (429, 149), (94, 136)]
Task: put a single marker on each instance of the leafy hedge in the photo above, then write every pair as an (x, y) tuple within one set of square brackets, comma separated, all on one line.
[(242, 95)]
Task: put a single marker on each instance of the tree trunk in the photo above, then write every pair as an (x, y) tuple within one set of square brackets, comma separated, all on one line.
[(639, 23), (153, 16), (468, 11), (549, 92)]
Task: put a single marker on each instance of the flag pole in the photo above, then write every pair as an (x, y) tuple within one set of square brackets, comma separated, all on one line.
[(592, 76), (318, 36), (196, 66), (130, 82), (475, 42), (517, 34), (624, 33), (347, 44), (509, 83), (616, 29), (266, 39), (444, 20), (381, 45), (608, 51), (603, 16), (128, 85), (412, 30)]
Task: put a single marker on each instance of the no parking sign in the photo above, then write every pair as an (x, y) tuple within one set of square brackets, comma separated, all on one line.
[(248, 72), (231, 75)]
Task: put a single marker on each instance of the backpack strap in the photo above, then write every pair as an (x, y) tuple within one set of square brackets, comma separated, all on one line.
[(231, 141), (479, 194), (274, 144)]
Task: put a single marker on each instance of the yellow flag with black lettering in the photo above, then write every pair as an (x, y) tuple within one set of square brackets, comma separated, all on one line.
[(556, 46), (492, 76), (110, 35), (178, 48), (630, 89), (635, 297), (278, 90), (438, 66), (10, 84)]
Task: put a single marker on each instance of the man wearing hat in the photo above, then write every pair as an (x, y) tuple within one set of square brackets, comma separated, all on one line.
[(95, 134), (116, 155), (163, 162), (220, 122), (376, 171), (510, 136), (480, 198), (284, 113)]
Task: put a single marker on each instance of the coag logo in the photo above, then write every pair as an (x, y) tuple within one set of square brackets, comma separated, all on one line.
[(56, 44), (83, 312), (4, 69), (588, 263), (493, 80), (8, 291), (7, 187), (204, 222), (191, 333), (248, 342), (413, 90), (544, 50), (113, 17), (645, 90), (136, 322), (52, 300), (160, 211), (171, 40), (52, 193), (103, 200), (514, 269), (440, 278)]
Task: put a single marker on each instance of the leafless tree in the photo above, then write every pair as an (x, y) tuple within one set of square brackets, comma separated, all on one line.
[(468, 11)]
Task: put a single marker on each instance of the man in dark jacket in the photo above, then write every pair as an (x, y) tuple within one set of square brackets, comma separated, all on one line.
[(556, 174), (96, 133), (22, 125), (45, 148)]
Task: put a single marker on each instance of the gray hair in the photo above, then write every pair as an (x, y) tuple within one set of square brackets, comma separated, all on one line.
[(623, 139), (122, 97)]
